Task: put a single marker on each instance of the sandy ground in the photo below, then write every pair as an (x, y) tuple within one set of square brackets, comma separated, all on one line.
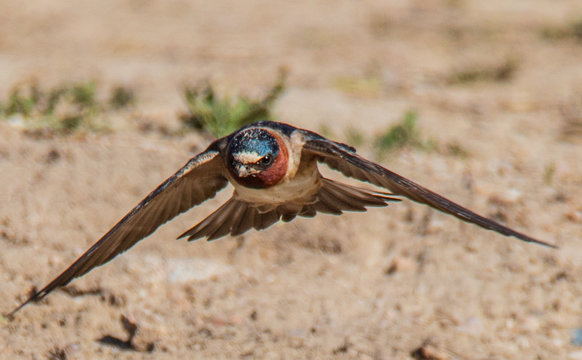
[(375, 285)]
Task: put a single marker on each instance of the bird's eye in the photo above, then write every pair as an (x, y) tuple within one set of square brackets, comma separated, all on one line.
[(265, 160)]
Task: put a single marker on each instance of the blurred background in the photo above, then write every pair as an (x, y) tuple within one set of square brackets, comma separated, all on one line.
[(478, 100)]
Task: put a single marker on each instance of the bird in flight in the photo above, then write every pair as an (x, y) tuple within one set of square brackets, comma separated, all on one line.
[(274, 170)]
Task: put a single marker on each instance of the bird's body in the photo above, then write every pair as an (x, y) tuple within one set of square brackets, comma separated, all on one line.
[(303, 185), (274, 170), (293, 179)]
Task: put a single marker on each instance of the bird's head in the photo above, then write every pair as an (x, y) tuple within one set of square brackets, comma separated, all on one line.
[(257, 158)]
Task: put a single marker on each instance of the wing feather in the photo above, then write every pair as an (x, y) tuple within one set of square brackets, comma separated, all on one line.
[(344, 159), (194, 183)]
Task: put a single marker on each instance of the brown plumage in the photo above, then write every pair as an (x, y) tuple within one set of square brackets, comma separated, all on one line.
[(243, 159)]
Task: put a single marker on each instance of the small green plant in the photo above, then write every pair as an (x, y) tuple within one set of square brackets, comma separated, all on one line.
[(498, 73), (381, 24), (60, 110), (83, 94), (354, 136), (30, 102), (325, 130), (121, 97), (404, 133), (570, 30), (366, 87), (222, 115), (457, 150), (549, 172), (571, 127)]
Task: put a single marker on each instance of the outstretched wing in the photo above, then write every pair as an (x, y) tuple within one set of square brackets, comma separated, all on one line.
[(194, 183), (344, 158)]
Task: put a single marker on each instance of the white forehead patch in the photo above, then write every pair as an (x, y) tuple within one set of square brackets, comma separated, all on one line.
[(247, 157)]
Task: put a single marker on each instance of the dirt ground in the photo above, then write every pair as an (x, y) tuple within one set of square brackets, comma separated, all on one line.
[(376, 285)]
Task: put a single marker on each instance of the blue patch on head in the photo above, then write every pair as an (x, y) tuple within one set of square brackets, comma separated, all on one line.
[(254, 141)]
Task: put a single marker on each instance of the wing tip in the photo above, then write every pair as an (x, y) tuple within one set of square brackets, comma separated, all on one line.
[(35, 297), (525, 238), (543, 243)]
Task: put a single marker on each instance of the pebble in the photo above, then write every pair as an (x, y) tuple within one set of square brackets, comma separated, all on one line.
[(194, 269), (531, 324), (400, 264), (575, 215), (471, 325), (576, 337)]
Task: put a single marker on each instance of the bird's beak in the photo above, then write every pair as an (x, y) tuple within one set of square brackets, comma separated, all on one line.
[(243, 170)]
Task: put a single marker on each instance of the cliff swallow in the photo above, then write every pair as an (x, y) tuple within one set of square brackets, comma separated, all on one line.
[(274, 170)]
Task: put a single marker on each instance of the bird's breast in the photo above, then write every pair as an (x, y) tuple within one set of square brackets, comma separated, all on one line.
[(303, 185)]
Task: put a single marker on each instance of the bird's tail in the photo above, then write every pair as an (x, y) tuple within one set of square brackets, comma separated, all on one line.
[(236, 216)]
